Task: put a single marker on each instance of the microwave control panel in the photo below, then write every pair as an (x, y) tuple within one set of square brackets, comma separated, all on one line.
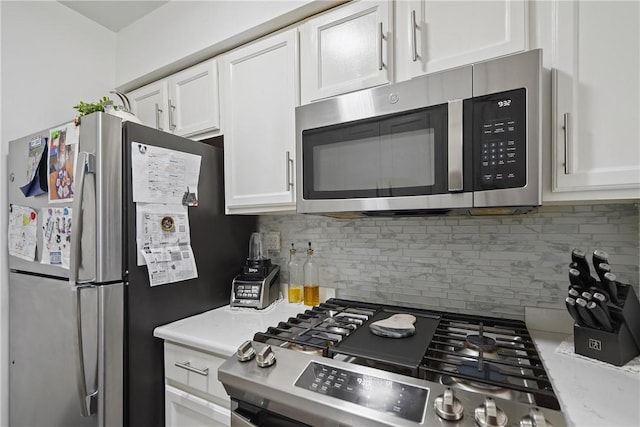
[(499, 140)]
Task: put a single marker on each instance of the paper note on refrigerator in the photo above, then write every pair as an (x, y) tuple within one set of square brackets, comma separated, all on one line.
[(22, 236), (36, 179), (56, 236), (165, 176), (62, 158), (164, 243)]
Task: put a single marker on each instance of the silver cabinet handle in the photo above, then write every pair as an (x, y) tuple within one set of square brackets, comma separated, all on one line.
[(171, 108), (158, 111), (380, 40), (455, 154), (187, 365), (88, 401), (566, 127), (289, 170), (414, 29)]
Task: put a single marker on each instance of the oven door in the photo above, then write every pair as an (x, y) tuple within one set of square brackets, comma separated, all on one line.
[(393, 148)]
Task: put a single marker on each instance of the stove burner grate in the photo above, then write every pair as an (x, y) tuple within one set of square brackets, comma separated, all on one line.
[(483, 371)]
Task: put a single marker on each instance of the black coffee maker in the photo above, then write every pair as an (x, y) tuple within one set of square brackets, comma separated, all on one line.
[(259, 283)]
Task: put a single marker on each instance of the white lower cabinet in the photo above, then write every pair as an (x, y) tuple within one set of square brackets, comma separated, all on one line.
[(193, 395), (187, 410)]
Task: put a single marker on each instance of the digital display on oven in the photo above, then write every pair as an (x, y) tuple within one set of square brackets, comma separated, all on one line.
[(392, 397)]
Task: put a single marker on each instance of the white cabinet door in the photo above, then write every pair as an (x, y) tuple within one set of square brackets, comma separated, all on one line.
[(183, 409), (260, 93), (596, 129), (436, 35), (150, 103), (194, 101), (347, 49)]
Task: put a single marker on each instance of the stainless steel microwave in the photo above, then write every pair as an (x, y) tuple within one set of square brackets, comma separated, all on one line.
[(466, 139)]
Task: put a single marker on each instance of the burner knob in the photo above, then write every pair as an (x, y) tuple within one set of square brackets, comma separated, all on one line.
[(535, 419), (489, 415), (245, 352), (265, 357), (448, 407)]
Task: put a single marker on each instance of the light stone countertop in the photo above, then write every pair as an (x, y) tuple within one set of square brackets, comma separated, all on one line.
[(221, 331), (591, 393)]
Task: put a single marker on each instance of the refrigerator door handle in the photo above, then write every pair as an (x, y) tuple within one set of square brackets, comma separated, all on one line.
[(88, 401)]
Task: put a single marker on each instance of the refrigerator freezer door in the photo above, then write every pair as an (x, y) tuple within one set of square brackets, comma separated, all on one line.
[(219, 245), (42, 370), (101, 240)]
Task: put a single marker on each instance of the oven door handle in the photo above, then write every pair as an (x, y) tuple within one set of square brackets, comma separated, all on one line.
[(238, 420), (455, 148)]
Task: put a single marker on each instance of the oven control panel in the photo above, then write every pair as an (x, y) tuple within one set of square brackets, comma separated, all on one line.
[(392, 397)]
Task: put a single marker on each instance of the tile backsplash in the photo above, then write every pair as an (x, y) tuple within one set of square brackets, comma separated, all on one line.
[(494, 265)]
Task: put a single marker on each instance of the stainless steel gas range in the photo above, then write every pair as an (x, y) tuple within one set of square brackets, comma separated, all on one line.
[(324, 367)]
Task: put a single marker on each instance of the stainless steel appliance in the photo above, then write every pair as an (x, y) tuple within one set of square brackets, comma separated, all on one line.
[(467, 139), (325, 367), (256, 290), (81, 340), (258, 285)]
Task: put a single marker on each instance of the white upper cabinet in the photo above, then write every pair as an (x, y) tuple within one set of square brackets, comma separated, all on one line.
[(363, 44), (596, 93), (347, 49), (150, 104), (436, 35), (194, 100), (186, 103), (260, 91)]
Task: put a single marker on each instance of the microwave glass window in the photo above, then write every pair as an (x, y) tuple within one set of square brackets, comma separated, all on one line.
[(376, 163), (399, 155)]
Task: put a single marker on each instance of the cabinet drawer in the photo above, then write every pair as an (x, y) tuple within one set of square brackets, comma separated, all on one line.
[(196, 369), (184, 409)]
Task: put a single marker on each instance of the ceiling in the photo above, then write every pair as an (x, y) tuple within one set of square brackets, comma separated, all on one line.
[(114, 15)]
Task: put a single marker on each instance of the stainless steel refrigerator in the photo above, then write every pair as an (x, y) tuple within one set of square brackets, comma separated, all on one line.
[(81, 345)]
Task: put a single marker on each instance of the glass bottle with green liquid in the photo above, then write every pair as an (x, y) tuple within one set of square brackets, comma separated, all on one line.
[(311, 281), (295, 281)]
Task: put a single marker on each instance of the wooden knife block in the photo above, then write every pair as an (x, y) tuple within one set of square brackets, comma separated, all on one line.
[(619, 346)]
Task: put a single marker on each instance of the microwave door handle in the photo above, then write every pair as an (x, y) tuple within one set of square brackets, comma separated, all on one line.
[(455, 154)]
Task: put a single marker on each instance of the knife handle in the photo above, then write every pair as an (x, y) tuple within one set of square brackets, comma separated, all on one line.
[(580, 257), (574, 292), (603, 293), (587, 296), (571, 308), (612, 285), (601, 268), (599, 257), (575, 278), (600, 316), (585, 277), (585, 314), (602, 300)]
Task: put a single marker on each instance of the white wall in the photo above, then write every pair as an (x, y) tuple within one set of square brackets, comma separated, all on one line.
[(51, 58), (182, 33)]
